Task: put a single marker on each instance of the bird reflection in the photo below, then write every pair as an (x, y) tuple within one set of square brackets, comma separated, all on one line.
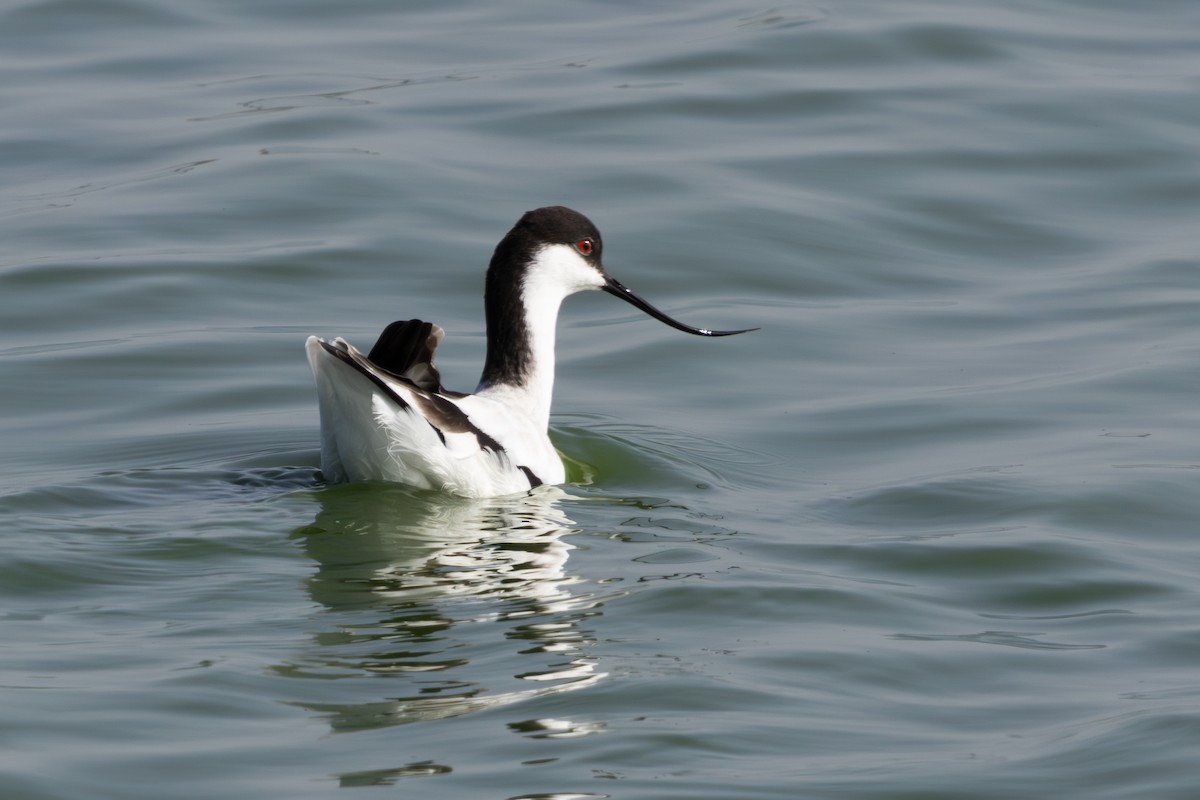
[(462, 604)]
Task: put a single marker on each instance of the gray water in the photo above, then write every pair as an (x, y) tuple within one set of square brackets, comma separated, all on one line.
[(930, 533)]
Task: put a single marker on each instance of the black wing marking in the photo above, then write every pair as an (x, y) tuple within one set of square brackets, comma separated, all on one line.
[(534, 480), (405, 349), (439, 412)]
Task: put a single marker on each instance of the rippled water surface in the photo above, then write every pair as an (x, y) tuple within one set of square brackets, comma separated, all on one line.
[(930, 533)]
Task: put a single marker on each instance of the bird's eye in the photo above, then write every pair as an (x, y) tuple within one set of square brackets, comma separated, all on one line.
[(585, 246)]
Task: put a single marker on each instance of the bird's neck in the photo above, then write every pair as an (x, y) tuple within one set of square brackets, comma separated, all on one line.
[(519, 366)]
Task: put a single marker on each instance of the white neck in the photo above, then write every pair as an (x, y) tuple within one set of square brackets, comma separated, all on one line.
[(555, 272), (541, 305)]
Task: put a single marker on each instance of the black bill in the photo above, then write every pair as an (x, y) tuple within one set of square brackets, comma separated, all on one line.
[(615, 287)]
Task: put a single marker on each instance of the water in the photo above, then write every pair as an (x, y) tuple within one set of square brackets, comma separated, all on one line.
[(931, 533)]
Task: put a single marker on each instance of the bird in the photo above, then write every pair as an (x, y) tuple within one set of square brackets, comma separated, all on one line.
[(385, 416)]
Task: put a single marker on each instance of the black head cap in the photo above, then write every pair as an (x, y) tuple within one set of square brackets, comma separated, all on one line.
[(549, 225), (508, 352)]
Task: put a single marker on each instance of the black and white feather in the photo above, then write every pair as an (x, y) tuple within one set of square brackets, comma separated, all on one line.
[(385, 416)]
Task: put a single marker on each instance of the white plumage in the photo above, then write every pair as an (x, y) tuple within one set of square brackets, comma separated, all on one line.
[(386, 417)]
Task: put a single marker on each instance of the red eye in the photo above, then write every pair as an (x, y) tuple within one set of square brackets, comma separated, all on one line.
[(585, 246)]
